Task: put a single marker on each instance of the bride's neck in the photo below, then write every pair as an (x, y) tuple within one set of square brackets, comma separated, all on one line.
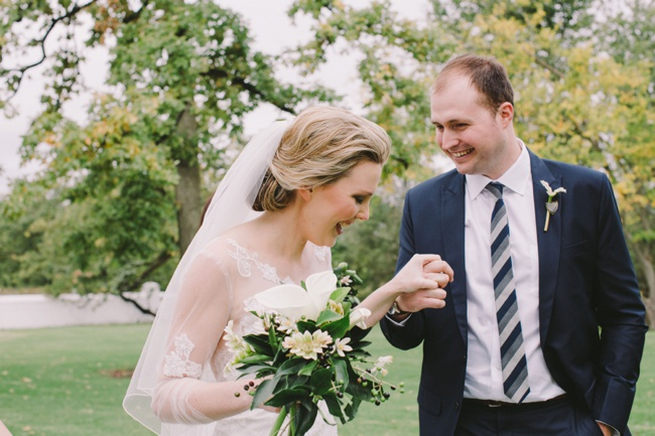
[(278, 233)]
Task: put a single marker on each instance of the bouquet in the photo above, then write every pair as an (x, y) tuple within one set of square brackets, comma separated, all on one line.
[(309, 352)]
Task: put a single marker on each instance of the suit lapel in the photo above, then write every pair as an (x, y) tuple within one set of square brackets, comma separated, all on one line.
[(452, 228), (547, 241)]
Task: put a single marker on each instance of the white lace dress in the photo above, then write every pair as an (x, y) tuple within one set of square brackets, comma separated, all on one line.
[(216, 285)]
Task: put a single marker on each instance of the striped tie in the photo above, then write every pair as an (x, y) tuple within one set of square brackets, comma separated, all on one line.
[(512, 354)]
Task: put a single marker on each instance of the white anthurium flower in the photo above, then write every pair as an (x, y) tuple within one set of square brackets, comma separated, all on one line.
[(549, 190), (294, 302), (359, 316)]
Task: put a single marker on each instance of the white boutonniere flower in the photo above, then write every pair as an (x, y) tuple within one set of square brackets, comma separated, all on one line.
[(551, 204)]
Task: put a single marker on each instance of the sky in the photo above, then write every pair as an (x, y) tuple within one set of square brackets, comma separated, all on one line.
[(271, 30)]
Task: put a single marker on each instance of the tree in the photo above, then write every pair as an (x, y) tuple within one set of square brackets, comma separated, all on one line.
[(181, 78)]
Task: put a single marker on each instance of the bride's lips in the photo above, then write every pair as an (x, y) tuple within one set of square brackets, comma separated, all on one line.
[(342, 225)]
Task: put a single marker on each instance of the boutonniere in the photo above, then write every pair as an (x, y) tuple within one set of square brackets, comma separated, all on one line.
[(551, 204)]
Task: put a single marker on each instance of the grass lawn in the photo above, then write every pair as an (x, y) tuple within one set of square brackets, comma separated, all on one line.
[(70, 381)]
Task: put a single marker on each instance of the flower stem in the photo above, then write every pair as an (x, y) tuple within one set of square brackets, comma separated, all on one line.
[(547, 221), (275, 431)]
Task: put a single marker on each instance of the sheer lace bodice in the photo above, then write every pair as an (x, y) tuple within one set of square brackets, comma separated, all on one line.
[(217, 286)]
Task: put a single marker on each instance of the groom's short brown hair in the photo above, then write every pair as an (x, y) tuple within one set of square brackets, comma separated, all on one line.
[(487, 75)]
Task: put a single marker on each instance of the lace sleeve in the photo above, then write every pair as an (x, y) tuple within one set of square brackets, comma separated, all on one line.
[(201, 314)]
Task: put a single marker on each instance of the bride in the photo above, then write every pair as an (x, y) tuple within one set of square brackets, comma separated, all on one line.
[(280, 207)]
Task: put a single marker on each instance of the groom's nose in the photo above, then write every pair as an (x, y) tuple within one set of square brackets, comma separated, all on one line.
[(446, 138)]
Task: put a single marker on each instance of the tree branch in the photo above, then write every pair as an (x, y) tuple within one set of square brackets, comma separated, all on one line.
[(41, 42), (252, 89), (131, 285), (549, 67)]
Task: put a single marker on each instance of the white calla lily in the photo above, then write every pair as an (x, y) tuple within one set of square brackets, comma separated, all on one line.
[(294, 302)]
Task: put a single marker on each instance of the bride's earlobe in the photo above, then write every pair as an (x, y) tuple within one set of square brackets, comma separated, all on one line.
[(305, 193)]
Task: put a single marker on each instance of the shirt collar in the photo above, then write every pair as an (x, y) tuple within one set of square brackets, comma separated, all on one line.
[(516, 178)]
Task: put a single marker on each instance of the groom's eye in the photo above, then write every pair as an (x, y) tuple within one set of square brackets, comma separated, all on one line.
[(359, 199)]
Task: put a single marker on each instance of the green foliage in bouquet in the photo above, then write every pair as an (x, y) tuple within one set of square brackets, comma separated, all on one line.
[(314, 356)]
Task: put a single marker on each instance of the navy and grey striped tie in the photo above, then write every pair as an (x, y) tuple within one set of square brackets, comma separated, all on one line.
[(512, 353)]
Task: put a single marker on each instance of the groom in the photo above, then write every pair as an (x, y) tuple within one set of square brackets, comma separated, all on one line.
[(543, 328)]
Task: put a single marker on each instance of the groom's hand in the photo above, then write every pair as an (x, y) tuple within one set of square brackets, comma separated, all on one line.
[(422, 299)]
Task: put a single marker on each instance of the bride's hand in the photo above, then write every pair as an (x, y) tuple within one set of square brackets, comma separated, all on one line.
[(423, 271), (422, 281)]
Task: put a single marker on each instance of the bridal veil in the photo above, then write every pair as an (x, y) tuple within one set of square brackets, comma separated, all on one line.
[(231, 205)]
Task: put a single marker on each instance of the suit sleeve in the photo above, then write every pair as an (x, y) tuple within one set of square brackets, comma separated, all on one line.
[(409, 334), (620, 313)]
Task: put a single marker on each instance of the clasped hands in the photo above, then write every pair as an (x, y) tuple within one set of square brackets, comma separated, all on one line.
[(422, 280)]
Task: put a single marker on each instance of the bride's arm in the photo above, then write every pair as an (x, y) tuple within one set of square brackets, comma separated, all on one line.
[(424, 274), (201, 315)]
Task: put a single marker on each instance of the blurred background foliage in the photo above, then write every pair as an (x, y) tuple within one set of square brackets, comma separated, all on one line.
[(119, 196)]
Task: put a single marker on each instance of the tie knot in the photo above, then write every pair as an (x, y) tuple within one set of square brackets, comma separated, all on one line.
[(496, 189)]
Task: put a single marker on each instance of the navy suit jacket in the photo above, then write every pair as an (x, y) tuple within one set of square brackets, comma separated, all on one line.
[(592, 326)]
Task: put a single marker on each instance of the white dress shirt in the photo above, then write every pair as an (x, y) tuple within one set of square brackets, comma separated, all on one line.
[(483, 368)]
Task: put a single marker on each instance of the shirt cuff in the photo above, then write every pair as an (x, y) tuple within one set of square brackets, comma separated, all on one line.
[(615, 432), (400, 323)]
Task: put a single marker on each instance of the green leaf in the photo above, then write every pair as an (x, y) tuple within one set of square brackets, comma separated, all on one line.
[(339, 294), (291, 366), (260, 343), (273, 340), (337, 329), (334, 407), (287, 396), (255, 358), (327, 316), (305, 417), (351, 409), (321, 381), (306, 325), (259, 369), (263, 392), (307, 369), (341, 372)]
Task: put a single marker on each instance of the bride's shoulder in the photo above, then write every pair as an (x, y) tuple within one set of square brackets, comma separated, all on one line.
[(219, 249)]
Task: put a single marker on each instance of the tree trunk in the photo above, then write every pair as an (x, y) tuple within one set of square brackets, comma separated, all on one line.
[(648, 272), (187, 196), (187, 191)]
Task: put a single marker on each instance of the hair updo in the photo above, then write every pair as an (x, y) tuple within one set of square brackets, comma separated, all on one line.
[(322, 145)]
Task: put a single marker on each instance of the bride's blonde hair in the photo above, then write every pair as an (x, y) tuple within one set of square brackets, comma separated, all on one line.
[(322, 145)]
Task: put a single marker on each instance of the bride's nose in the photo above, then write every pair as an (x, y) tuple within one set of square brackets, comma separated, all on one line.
[(364, 212)]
